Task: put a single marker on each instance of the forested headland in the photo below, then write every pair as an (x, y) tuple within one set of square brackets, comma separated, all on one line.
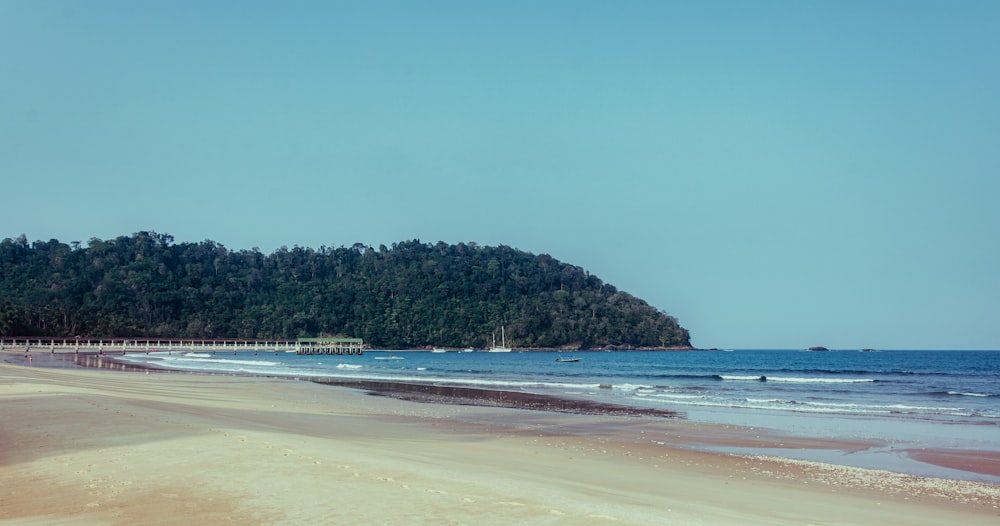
[(410, 295)]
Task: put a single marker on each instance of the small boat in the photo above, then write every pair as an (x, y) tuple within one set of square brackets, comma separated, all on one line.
[(503, 342), (561, 359), (390, 357)]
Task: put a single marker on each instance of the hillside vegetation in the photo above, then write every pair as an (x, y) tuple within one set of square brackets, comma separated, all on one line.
[(410, 295)]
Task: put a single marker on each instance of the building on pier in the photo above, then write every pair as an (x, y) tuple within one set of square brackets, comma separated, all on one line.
[(329, 346)]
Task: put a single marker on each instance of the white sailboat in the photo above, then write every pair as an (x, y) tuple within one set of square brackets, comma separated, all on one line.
[(503, 342)]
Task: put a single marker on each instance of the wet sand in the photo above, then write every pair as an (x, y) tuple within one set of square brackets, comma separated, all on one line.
[(83, 446), (494, 398), (982, 462)]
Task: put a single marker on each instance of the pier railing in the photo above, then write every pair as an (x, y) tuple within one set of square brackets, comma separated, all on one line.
[(148, 345)]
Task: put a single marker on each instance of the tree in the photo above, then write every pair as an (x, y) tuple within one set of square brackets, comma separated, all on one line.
[(413, 294)]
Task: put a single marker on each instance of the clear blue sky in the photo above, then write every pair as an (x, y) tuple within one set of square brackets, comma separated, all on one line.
[(773, 173)]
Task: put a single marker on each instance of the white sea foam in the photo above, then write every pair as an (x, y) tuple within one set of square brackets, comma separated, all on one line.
[(782, 405), (347, 371), (200, 361), (222, 361), (794, 405), (884, 408), (632, 387), (793, 380), (672, 396)]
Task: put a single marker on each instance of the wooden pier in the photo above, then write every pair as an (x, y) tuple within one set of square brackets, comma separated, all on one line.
[(339, 346)]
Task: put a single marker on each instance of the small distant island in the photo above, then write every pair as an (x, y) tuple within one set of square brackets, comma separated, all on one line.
[(411, 295), (818, 348)]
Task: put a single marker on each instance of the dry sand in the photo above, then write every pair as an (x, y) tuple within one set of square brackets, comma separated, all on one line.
[(84, 446)]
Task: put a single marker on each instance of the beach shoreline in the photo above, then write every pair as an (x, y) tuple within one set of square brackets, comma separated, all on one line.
[(745, 439), (760, 434), (99, 447)]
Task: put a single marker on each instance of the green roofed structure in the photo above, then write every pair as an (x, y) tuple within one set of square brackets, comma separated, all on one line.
[(329, 346)]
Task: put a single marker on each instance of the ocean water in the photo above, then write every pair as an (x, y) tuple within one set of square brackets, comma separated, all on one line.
[(947, 386), (913, 399)]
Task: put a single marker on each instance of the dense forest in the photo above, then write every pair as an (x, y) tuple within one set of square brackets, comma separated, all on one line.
[(410, 295)]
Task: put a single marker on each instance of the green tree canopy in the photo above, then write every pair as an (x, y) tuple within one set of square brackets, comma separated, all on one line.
[(410, 295)]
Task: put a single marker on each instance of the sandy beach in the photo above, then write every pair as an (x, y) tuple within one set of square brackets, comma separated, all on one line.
[(84, 446)]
